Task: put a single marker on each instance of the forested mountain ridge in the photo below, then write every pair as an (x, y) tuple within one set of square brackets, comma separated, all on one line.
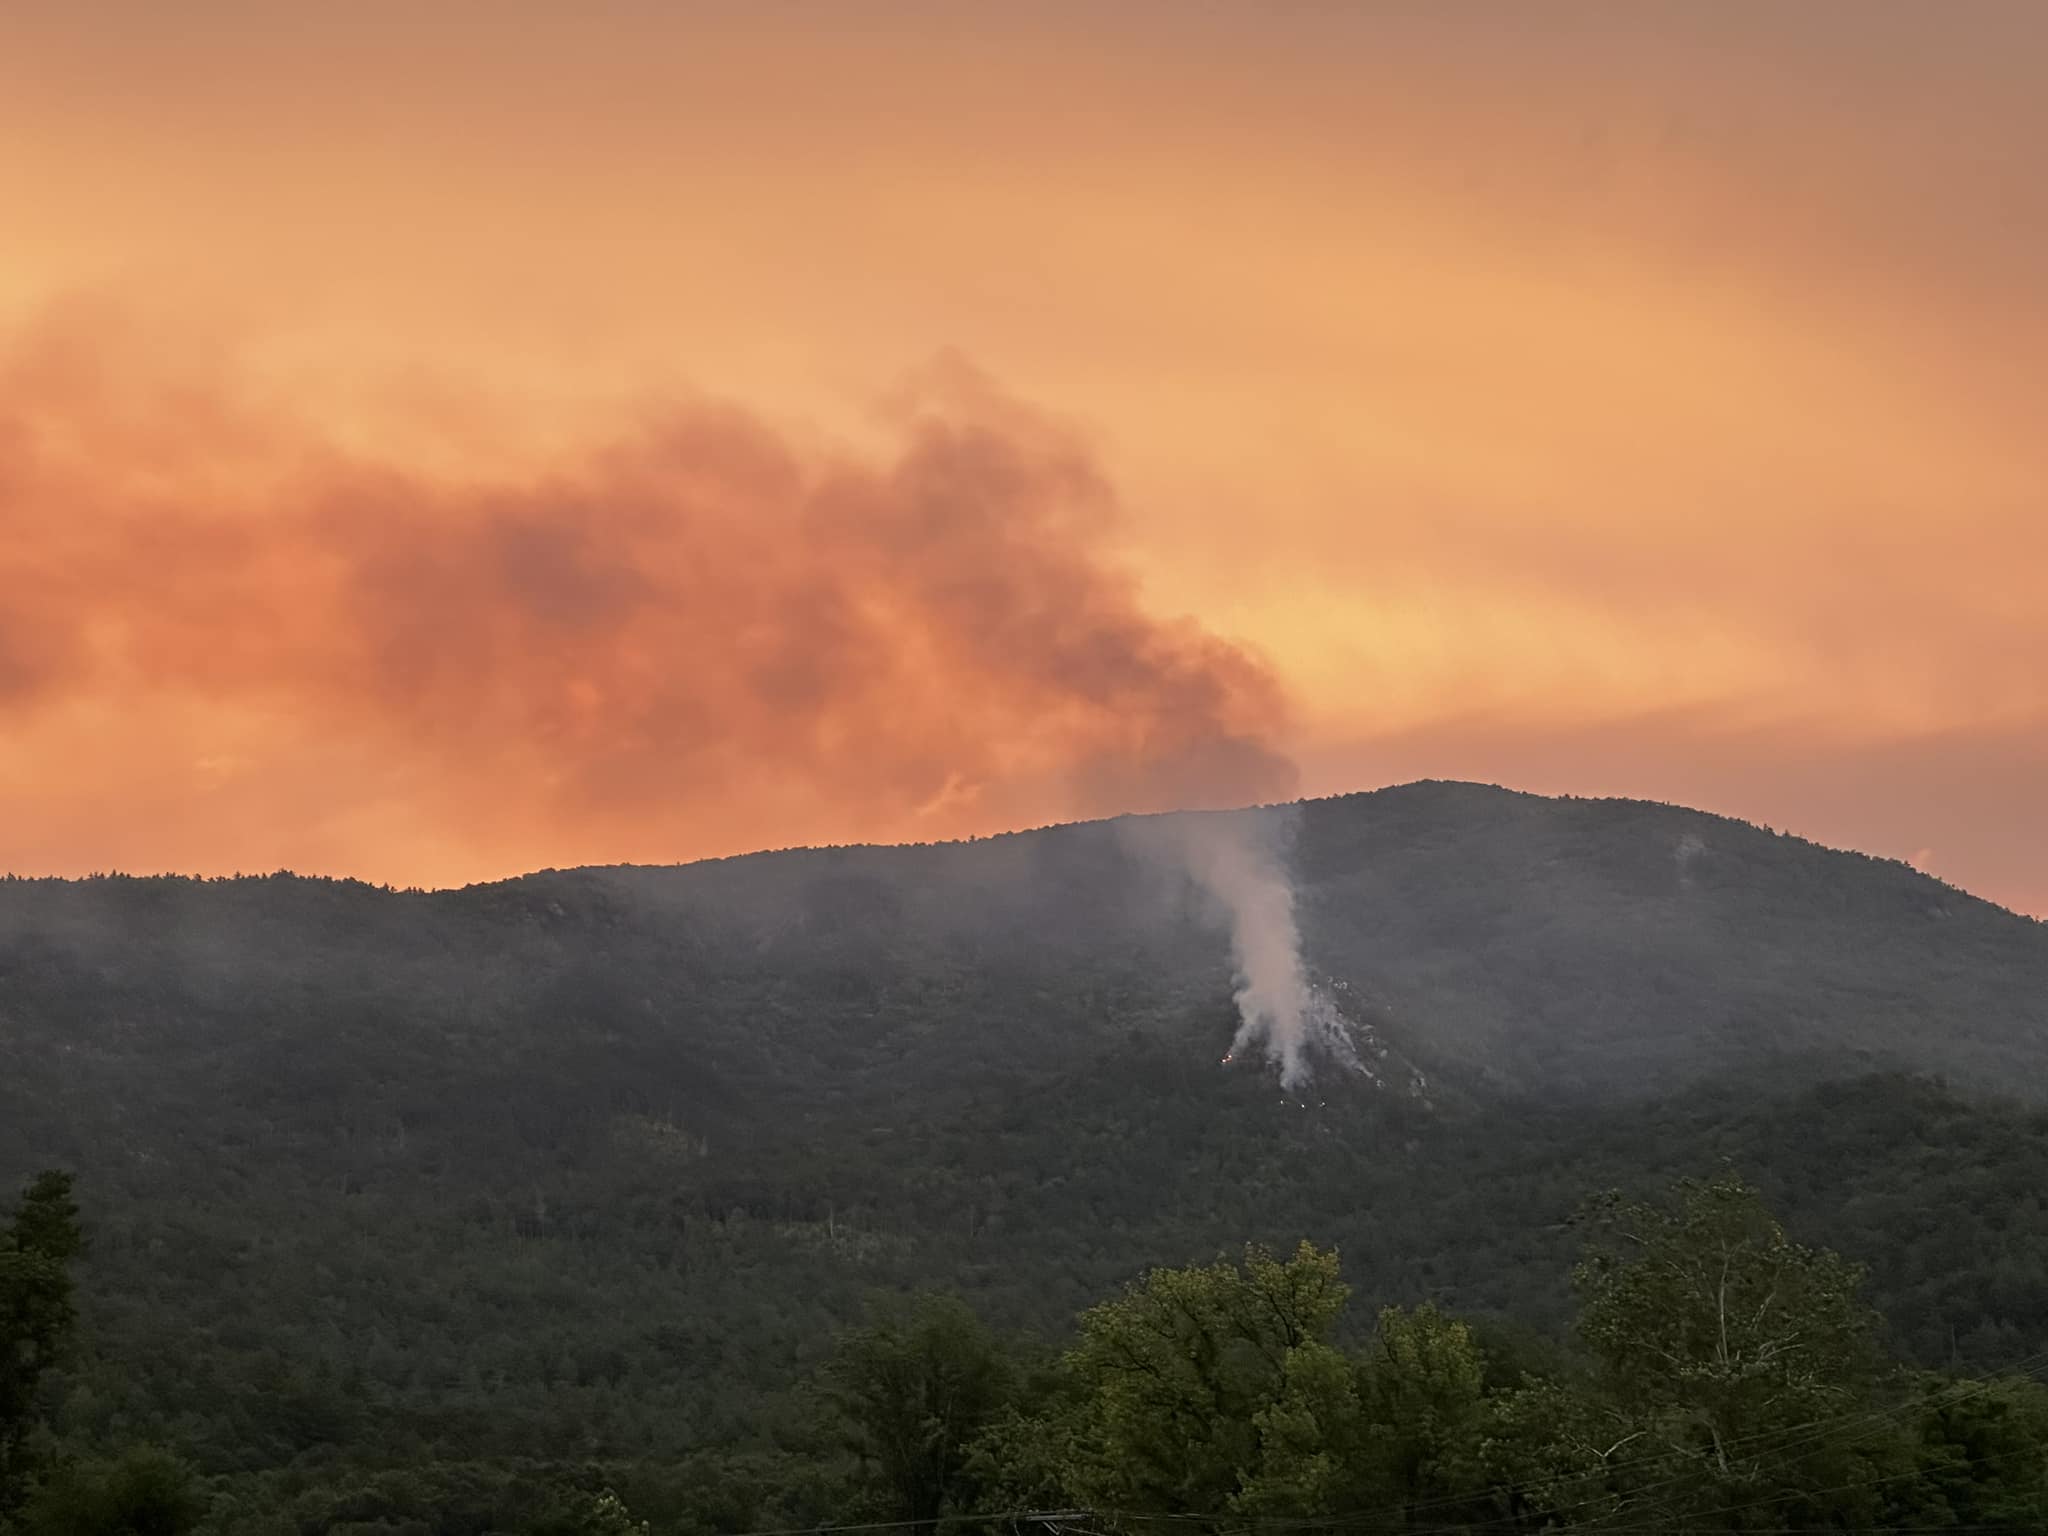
[(1521, 944), (593, 1163)]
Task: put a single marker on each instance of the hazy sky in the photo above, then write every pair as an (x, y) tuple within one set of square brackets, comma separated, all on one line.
[(440, 440)]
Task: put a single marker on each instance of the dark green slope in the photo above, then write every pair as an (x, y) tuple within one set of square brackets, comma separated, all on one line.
[(592, 1162), (1620, 947), (1528, 945)]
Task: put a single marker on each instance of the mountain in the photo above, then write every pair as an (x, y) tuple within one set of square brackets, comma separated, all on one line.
[(592, 1162), (1513, 944), (1620, 948)]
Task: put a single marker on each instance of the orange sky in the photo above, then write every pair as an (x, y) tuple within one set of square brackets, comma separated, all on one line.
[(437, 441)]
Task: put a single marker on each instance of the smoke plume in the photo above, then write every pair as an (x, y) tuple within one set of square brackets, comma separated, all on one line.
[(1240, 861), (230, 642)]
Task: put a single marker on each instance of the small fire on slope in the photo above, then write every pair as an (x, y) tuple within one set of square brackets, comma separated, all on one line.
[(1340, 1039)]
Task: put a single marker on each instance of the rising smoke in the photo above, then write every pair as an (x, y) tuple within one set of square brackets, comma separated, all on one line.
[(236, 644), (1239, 860)]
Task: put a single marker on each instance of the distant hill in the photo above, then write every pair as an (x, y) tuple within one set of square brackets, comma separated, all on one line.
[(1617, 947), (596, 1159), (1514, 944)]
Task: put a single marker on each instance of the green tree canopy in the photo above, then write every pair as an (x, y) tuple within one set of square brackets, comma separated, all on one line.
[(1385, 1433), (916, 1387), (1731, 1375), (1178, 1372), (144, 1491), (36, 1313)]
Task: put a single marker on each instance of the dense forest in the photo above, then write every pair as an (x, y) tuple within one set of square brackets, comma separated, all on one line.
[(1717, 1375), (449, 1212)]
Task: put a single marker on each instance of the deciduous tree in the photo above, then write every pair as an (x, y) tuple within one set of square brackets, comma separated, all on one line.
[(36, 1313)]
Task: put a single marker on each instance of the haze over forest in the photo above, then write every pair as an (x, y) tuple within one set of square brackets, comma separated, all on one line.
[(1039, 770), (444, 1211)]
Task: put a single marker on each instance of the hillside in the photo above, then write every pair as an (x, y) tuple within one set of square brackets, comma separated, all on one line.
[(1517, 944), (592, 1162)]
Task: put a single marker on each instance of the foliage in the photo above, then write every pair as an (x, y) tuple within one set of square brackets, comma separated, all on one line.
[(1424, 1403), (449, 1211), (36, 1314), (1396, 1428), (144, 1491), (604, 1515), (1981, 1457), (1178, 1372), (1726, 1378), (1721, 1356), (917, 1387)]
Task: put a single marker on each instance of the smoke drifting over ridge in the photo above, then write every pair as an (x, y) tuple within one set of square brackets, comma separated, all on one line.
[(695, 636)]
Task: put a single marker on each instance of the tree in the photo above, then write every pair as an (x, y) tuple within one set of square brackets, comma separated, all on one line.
[(1425, 1407), (1310, 1449), (36, 1313), (1982, 1457), (142, 1492), (1393, 1431), (1732, 1371), (1183, 1374), (916, 1389)]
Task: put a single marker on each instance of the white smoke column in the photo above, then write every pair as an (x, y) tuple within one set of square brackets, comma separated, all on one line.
[(1237, 859)]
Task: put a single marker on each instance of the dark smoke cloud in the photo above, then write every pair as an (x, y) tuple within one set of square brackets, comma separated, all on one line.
[(692, 637)]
